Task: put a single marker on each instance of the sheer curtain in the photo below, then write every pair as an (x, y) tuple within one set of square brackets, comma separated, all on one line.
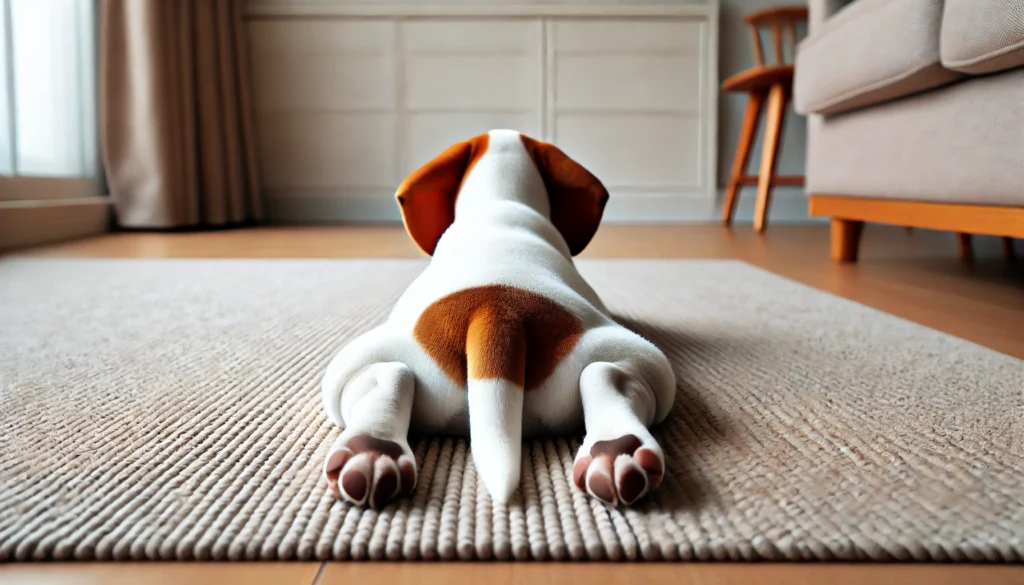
[(48, 111)]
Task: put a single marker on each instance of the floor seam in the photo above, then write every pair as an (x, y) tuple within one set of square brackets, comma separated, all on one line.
[(319, 573)]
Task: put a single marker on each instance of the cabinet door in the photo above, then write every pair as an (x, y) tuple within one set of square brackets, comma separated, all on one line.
[(325, 95), (463, 77), (626, 101)]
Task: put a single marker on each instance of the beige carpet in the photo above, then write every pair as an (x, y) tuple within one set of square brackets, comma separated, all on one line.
[(170, 410)]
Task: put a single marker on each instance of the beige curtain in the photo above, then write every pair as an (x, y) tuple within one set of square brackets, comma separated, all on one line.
[(176, 126)]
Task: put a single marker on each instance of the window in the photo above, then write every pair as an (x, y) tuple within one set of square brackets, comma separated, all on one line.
[(49, 147)]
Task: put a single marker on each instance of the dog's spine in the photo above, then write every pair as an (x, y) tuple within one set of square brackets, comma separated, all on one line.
[(496, 364)]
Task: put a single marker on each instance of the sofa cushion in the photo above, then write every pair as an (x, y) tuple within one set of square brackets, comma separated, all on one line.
[(982, 36), (871, 51)]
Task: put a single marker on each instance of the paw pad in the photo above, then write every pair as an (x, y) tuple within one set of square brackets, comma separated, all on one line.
[(620, 470), (365, 469)]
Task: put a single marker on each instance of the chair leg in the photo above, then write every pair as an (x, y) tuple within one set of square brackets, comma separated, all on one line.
[(846, 239), (963, 242), (751, 117), (778, 97)]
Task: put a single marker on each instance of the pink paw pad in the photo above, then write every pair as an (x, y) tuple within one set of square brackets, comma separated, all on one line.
[(618, 471), (369, 470)]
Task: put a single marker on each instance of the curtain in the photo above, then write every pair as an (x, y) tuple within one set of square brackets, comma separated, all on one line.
[(176, 129)]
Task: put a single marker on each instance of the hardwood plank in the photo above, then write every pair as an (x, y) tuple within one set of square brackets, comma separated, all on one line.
[(347, 242), (971, 219), (159, 573), (675, 574)]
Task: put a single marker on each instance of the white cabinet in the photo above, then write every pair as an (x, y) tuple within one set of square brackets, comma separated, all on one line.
[(350, 98), (466, 76)]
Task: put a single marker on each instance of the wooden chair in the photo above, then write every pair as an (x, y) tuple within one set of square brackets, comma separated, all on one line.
[(763, 82)]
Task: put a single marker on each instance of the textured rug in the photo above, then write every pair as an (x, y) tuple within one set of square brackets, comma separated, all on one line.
[(170, 410)]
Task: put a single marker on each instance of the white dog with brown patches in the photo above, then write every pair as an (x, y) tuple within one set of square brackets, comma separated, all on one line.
[(499, 338)]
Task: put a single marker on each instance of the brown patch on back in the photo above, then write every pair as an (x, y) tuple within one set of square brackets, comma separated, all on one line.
[(427, 196), (497, 331)]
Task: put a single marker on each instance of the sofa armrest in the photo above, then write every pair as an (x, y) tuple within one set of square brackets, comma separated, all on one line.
[(820, 10)]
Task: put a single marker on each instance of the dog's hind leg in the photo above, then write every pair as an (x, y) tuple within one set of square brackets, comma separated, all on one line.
[(620, 461), (371, 461)]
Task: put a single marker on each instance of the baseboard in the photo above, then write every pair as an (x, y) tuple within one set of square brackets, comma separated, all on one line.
[(788, 206), (33, 223), (383, 210)]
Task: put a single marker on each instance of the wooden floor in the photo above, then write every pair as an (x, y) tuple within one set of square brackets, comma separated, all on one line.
[(915, 275)]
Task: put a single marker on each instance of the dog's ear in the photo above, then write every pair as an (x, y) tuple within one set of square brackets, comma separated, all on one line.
[(427, 196), (577, 197)]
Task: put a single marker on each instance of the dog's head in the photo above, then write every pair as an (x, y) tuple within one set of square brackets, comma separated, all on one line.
[(502, 165)]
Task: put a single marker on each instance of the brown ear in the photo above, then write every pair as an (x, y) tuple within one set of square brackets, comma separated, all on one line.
[(577, 197), (427, 196)]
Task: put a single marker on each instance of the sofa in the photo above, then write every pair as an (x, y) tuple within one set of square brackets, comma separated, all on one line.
[(915, 115)]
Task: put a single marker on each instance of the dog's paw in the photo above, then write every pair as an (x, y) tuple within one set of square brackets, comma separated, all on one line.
[(364, 469), (619, 471)]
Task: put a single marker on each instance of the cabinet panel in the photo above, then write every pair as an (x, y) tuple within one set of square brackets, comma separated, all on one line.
[(631, 82), (332, 36), (488, 82), (472, 35), (630, 102), (325, 149), (625, 35), (327, 82), (652, 151), (428, 134)]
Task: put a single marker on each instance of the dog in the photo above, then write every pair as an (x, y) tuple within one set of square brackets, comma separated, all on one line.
[(499, 338)]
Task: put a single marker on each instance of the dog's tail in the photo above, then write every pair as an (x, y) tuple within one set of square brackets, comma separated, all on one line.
[(496, 371)]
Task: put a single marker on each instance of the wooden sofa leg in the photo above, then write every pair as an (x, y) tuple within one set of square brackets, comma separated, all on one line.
[(846, 239), (963, 242), (1008, 250)]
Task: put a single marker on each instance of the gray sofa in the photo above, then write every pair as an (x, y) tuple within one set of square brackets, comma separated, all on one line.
[(915, 115)]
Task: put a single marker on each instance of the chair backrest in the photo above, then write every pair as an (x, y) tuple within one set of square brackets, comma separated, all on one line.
[(777, 18)]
